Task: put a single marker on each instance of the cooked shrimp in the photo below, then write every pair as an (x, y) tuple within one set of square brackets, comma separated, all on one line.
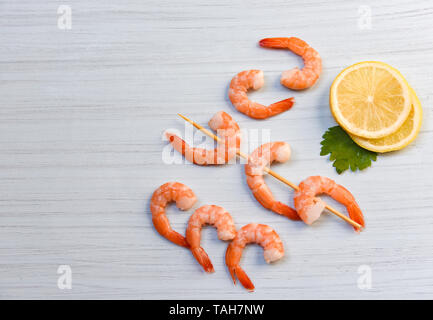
[(309, 207), (253, 79), (229, 132), (252, 233), (213, 215), (170, 191), (297, 79), (257, 161)]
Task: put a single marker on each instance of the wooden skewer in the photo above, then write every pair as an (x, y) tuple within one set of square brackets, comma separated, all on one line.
[(272, 173)]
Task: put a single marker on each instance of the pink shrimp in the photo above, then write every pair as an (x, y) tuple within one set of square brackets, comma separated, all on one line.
[(252, 233), (257, 161), (253, 79), (213, 215), (170, 191), (309, 207), (297, 79), (228, 130)]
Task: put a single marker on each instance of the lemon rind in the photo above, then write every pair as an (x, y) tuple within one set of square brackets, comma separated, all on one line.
[(418, 113)]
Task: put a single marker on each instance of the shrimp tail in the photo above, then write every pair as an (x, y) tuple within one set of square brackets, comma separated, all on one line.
[(163, 227), (232, 273), (243, 278), (178, 239), (201, 256), (285, 210), (280, 106), (276, 43), (355, 214)]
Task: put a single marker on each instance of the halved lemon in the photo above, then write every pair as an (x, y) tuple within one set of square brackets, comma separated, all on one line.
[(402, 137), (370, 99)]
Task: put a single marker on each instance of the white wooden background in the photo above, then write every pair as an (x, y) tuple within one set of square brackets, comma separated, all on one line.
[(81, 116)]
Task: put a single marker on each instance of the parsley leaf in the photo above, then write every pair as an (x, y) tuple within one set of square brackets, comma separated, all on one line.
[(344, 152)]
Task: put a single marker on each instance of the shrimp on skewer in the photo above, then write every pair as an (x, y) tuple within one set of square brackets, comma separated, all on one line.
[(257, 161), (252, 233), (309, 207), (254, 79), (184, 198), (227, 129), (213, 215), (297, 79)]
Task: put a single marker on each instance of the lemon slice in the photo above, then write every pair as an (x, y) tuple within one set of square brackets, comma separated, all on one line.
[(402, 137), (370, 99)]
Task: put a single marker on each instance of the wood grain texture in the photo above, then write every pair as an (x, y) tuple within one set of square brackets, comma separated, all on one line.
[(81, 117)]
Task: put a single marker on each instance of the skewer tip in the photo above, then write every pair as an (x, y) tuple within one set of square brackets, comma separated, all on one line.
[(183, 117)]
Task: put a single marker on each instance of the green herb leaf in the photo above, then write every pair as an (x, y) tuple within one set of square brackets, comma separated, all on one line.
[(344, 152)]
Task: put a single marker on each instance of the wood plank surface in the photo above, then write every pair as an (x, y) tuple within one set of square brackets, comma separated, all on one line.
[(81, 117)]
